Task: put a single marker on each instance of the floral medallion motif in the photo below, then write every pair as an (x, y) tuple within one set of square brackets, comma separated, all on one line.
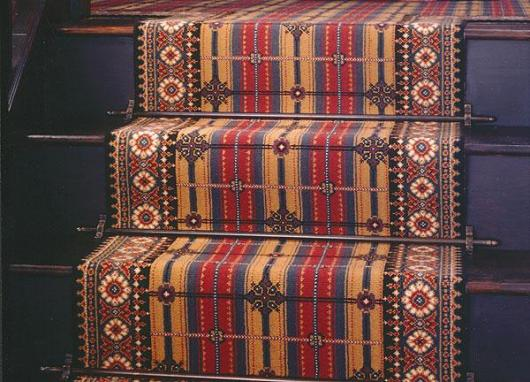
[(115, 329), (281, 146), (144, 181), (144, 144), (114, 289), (283, 221), (426, 93), (373, 150), (118, 362), (366, 301), (421, 150), (425, 28), (297, 93), (425, 57), (170, 55), (367, 374), (265, 296), (171, 90), (419, 299), (423, 224), (216, 92), (146, 217), (172, 26), (381, 94), (374, 224), (193, 220), (420, 341), (191, 147), (422, 188), (166, 294), (420, 374)]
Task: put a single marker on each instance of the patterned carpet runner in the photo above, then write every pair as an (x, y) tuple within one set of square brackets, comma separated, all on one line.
[(330, 310), (356, 312)]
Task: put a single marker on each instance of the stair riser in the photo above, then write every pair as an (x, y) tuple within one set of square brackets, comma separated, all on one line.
[(95, 74)]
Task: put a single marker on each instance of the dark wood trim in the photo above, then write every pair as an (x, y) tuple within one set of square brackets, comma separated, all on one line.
[(91, 139), (106, 30), (498, 287), (47, 270), (100, 26), (497, 30)]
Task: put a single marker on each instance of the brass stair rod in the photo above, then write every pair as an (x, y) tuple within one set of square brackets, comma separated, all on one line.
[(251, 235), (164, 376), (323, 117)]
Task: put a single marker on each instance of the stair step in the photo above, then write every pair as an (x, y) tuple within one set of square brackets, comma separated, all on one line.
[(480, 140)]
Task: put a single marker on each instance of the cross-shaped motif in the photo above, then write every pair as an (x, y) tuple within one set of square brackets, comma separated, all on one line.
[(265, 296), (381, 95), (373, 150), (216, 92), (367, 374), (191, 147), (283, 221)]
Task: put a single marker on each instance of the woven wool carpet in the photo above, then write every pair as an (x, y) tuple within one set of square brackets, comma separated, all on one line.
[(286, 176), (357, 312)]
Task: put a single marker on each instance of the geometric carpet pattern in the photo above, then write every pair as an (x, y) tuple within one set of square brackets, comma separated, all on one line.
[(273, 308), (288, 176)]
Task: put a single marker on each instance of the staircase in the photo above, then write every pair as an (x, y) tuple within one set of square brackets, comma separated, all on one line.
[(98, 53)]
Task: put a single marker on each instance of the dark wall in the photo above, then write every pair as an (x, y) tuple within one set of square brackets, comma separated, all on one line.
[(498, 78)]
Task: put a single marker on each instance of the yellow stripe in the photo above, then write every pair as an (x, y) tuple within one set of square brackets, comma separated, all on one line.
[(376, 315), (292, 169), (382, 176), (253, 317), (389, 70), (278, 320), (362, 179), (206, 65), (287, 79), (224, 49), (371, 74), (271, 200), (307, 70)]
